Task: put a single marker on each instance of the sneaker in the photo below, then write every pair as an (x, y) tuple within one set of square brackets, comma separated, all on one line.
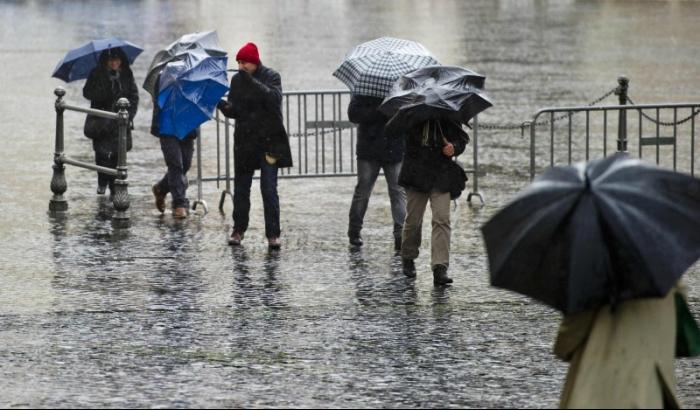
[(274, 243), (180, 213), (440, 277), (409, 268), (101, 190), (160, 198), (236, 239)]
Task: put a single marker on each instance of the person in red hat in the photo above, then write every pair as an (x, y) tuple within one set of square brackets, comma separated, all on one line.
[(260, 141)]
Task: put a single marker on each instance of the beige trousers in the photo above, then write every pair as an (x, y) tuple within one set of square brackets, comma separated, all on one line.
[(417, 202)]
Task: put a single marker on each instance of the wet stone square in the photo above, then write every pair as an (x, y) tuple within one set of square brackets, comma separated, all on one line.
[(165, 314)]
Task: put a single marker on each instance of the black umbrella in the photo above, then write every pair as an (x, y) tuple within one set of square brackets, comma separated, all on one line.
[(595, 234), (436, 92)]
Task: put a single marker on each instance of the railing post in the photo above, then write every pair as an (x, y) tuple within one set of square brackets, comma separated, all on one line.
[(199, 200), (121, 194), (58, 182), (622, 92), (476, 192)]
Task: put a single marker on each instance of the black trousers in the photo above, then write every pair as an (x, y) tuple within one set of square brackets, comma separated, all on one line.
[(107, 160)]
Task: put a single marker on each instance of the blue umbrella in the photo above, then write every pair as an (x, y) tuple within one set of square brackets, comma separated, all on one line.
[(79, 62), (189, 90)]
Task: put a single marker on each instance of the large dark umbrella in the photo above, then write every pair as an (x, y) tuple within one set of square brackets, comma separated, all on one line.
[(595, 234), (372, 68), (436, 92), (79, 62), (207, 42)]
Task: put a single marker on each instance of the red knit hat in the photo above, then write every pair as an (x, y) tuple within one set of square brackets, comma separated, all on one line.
[(249, 54)]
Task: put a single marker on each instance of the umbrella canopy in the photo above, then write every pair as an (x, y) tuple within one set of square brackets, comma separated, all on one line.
[(436, 92), (372, 68), (594, 234), (189, 91), (79, 62), (207, 42)]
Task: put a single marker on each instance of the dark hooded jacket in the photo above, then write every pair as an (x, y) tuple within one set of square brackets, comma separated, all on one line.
[(104, 88), (255, 102), (374, 142), (425, 168)]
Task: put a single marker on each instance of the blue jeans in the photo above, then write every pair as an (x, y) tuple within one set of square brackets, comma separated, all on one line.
[(367, 174), (178, 158), (241, 199)]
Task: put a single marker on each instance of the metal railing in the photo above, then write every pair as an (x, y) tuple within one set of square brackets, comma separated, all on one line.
[(59, 186), (322, 141), (591, 136)]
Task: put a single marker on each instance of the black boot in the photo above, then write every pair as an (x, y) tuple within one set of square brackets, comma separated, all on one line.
[(355, 239), (440, 277), (409, 268)]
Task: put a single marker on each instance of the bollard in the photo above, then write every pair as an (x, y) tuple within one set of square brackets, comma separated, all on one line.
[(199, 200), (121, 184), (475, 192), (58, 182), (622, 92)]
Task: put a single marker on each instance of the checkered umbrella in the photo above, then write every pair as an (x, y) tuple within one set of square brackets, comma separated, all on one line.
[(372, 68)]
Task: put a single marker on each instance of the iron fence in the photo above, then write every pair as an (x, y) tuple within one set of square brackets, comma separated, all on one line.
[(59, 185), (598, 131), (322, 141)]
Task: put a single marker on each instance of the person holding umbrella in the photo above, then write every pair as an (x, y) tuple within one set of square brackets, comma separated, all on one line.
[(370, 70), (431, 103), (186, 81), (111, 80), (260, 141), (106, 65), (607, 243)]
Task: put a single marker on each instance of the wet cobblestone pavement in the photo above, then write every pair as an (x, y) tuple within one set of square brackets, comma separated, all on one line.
[(164, 314)]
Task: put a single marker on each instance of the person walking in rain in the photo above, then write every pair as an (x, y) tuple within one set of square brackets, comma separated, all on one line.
[(430, 149), (624, 357), (111, 80), (178, 158), (376, 150), (261, 141)]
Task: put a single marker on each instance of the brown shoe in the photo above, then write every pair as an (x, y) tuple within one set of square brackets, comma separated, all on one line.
[(160, 199), (180, 213), (236, 239), (274, 243)]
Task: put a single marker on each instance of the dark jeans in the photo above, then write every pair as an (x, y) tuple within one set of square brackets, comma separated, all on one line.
[(367, 174), (178, 158), (243, 181), (107, 160)]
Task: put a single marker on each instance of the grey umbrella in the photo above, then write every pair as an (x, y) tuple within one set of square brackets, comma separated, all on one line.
[(207, 41)]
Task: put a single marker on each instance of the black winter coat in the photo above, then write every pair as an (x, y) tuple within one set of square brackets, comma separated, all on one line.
[(425, 168), (103, 89), (255, 102), (374, 142)]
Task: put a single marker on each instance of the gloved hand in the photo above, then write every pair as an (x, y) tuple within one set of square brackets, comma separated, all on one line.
[(222, 105), (244, 76)]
